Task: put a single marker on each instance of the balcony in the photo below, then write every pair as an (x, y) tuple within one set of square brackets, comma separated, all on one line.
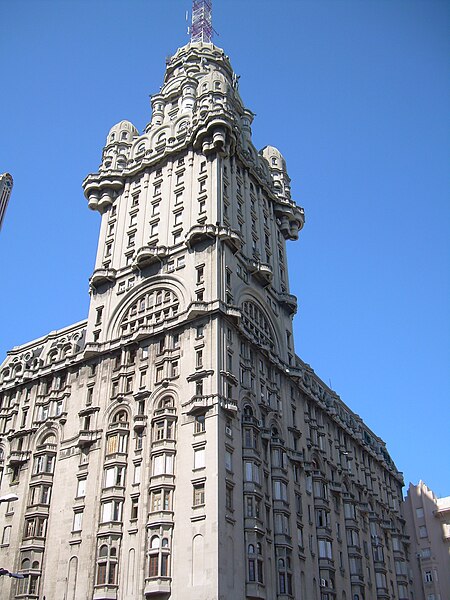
[(157, 586), (200, 233), (140, 421), (86, 437), (255, 590), (18, 457), (261, 271), (148, 255), (289, 301), (199, 403), (196, 309), (250, 420), (102, 277), (159, 517), (119, 426), (105, 593), (33, 543), (231, 238), (229, 404)]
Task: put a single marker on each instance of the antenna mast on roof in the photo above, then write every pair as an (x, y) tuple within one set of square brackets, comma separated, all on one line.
[(201, 29)]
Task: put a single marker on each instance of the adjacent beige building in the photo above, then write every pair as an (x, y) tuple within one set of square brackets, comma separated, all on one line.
[(173, 445), (428, 523)]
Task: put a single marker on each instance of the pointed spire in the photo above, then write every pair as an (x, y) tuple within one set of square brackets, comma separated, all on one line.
[(201, 29)]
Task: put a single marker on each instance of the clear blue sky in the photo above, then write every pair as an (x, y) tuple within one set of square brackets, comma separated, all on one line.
[(355, 93)]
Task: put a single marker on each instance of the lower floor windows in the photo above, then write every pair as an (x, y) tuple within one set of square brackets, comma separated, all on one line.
[(159, 554), (255, 569), (284, 572), (107, 565), (31, 572), (28, 586)]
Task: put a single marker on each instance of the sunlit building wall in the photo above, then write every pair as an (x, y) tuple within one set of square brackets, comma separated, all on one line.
[(173, 445)]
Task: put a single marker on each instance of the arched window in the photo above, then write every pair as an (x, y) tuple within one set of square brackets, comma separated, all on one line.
[(159, 557), (151, 308), (52, 356), (166, 402), (112, 137), (120, 417), (107, 565), (248, 410), (49, 439), (255, 563), (257, 325), (124, 135)]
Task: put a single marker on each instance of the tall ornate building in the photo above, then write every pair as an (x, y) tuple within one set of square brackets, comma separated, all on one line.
[(173, 445)]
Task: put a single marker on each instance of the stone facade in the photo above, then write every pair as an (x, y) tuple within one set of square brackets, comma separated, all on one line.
[(428, 523), (173, 445)]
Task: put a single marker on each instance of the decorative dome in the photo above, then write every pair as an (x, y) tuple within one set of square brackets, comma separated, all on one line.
[(274, 157), (122, 132)]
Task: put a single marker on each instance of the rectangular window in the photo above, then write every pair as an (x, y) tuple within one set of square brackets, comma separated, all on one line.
[(178, 218), (252, 472), (134, 508), (200, 274), (199, 358), (111, 511), (423, 533), (81, 488), (162, 464), (199, 425), (325, 550), (199, 458), (199, 494), (154, 229), (142, 378), (6, 535), (77, 520), (229, 497), (228, 461)]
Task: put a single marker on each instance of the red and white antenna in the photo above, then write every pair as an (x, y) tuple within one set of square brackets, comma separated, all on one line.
[(201, 29)]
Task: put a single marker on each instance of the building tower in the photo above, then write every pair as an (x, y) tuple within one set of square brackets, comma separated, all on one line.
[(6, 184), (173, 445)]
